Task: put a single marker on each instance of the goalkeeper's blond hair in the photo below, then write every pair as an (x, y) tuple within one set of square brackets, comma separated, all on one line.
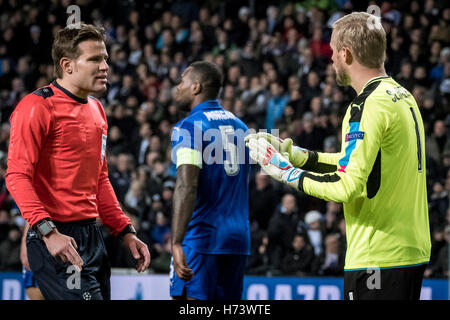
[(363, 34)]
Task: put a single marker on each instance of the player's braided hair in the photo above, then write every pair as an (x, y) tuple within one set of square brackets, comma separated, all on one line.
[(67, 40)]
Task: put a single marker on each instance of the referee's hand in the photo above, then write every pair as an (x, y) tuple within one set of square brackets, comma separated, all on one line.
[(139, 250), (63, 247)]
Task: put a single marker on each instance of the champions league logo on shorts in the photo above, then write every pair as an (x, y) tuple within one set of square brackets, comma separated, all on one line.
[(87, 296)]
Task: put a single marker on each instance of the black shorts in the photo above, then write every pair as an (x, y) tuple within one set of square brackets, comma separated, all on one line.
[(403, 283), (59, 280)]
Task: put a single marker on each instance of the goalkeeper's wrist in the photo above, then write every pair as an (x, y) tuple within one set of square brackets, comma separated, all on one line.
[(299, 156), (291, 177)]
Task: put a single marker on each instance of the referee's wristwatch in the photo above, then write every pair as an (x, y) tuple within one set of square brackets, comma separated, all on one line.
[(128, 229), (44, 227)]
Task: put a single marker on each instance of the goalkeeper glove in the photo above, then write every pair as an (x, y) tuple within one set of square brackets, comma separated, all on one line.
[(296, 155), (273, 163)]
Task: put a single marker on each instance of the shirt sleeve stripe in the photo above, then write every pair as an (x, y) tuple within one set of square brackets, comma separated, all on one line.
[(354, 127)]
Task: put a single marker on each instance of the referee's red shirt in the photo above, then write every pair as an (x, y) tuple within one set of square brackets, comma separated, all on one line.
[(57, 159)]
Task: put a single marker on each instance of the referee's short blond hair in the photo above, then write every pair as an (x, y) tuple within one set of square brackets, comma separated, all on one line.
[(363, 34)]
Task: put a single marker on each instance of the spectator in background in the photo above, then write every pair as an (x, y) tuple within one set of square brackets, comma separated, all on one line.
[(437, 243), (311, 137), (282, 227), (313, 220), (320, 48), (142, 142), (4, 224), (10, 251), (311, 88), (263, 200), (438, 204), (256, 100), (435, 142), (120, 176), (441, 266), (405, 76), (275, 105), (332, 216), (160, 231), (5, 198), (135, 198), (261, 261), (116, 143), (437, 72), (331, 260), (300, 258)]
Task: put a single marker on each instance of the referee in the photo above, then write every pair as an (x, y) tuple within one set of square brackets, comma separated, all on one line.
[(379, 174), (58, 175)]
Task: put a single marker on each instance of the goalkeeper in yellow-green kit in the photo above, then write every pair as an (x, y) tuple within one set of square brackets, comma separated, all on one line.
[(379, 174)]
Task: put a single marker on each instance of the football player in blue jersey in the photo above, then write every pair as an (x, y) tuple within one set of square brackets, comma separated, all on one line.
[(210, 226)]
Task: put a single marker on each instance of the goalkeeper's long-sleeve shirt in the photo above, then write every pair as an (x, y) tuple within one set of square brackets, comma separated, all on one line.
[(56, 159), (380, 177)]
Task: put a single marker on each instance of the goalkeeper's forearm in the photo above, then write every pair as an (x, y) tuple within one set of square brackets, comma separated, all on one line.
[(318, 162)]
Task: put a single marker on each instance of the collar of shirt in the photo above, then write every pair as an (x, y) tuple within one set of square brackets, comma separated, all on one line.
[(205, 105), (372, 80), (69, 94)]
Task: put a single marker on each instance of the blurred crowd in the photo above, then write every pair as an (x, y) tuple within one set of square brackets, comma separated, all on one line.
[(275, 56)]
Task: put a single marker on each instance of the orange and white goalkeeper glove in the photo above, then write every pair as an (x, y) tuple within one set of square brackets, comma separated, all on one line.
[(296, 155), (273, 162)]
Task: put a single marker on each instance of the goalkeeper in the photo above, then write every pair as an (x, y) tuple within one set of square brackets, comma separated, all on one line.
[(379, 174)]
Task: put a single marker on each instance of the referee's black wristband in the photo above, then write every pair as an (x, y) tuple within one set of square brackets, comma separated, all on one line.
[(128, 229)]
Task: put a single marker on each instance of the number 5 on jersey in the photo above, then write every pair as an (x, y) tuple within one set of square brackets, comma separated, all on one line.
[(230, 164)]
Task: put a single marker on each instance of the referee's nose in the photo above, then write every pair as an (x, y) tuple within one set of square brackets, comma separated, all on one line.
[(104, 67)]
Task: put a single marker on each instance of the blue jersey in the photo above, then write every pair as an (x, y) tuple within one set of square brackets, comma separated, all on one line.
[(219, 223)]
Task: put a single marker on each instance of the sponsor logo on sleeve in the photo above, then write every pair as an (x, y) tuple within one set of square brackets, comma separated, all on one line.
[(354, 136)]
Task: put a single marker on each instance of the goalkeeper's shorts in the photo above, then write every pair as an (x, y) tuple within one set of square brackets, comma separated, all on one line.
[(216, 276), (398, 283)]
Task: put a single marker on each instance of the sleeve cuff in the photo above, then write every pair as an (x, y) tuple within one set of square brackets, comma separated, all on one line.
[(128, 229), (300, 182)]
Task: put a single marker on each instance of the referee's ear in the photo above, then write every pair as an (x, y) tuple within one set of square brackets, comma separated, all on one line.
[(66, 65)]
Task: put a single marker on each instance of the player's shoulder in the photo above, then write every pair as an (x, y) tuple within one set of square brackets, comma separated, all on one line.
[(95, 102), (36, 99), (90, 97), (387, 93), (241, 124), (43, 92), (189, 123)]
